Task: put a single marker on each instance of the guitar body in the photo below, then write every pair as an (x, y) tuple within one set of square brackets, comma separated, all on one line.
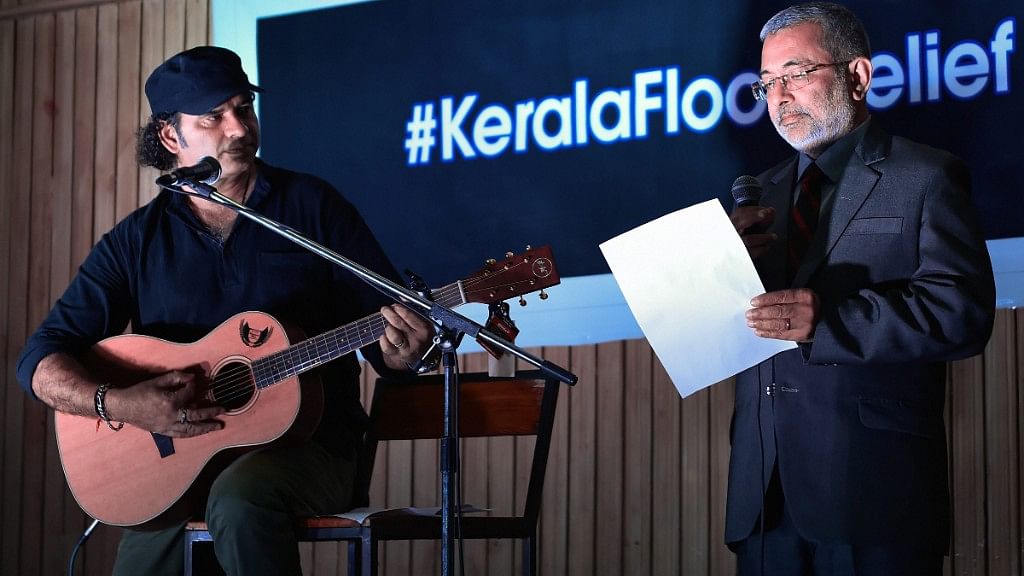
[(124, 478)]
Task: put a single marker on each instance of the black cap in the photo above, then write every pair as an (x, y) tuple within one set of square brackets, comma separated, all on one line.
[(196, 81)]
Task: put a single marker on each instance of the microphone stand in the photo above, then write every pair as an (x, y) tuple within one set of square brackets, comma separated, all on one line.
[(449, 325)]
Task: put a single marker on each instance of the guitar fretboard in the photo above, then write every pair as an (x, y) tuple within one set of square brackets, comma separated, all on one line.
[(334, 344)]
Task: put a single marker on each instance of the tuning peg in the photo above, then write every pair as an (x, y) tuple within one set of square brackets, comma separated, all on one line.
[(509, 254), (522, 301), (528, 247), (490, 262), (543, 294)]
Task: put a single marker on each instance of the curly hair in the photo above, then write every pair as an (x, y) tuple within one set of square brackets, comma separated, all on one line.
[(149, 150)]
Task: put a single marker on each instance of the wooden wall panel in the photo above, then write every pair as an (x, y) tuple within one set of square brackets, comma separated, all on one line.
[(694, 492), (967, 465), (721, 561), (174, 28), (57, 502), (105, 166), (84, 135), (610, 387), (151, 55), (636, 480), (638, 441), (554, 513), (1015, 381), (399, 493), (524, 451), (40, 219), (501, 494), (62, 142), (16, 41), (668, 471), (197, 23), (83, 188), (6, 183), (1001, 449), (582, 486), (426, 491), (475, 488), (129, 24)]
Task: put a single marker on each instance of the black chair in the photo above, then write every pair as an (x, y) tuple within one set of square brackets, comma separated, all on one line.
[(520, 406), (523, 405)]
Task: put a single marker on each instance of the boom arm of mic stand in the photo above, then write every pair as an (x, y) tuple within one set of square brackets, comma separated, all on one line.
[(441, 316)]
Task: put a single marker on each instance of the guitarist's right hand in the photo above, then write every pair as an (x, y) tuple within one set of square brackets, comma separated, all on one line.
[(156, 405)]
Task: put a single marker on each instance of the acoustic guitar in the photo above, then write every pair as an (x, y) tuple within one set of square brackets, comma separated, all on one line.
[(133, 477)]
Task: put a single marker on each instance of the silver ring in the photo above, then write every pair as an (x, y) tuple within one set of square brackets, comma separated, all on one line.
[(183, 416), (787, 324), (399, 346)]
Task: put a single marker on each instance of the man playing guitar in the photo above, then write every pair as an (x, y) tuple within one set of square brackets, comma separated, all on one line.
[(180, 266)]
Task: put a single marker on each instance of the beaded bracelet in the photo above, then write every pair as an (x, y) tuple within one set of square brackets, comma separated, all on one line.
[(101, 408)]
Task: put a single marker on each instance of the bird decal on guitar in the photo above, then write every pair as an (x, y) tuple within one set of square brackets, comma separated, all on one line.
[(253, 338)]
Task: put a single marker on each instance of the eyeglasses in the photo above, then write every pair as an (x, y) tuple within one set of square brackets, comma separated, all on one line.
[(794, 81)]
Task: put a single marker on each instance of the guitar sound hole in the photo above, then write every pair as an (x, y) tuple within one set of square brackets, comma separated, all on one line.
[(233, 386)]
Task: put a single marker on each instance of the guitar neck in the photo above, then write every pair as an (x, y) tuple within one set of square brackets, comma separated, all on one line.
[(311, 353)]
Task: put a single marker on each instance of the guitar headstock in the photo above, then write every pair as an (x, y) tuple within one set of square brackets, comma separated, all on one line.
[(516, 275)]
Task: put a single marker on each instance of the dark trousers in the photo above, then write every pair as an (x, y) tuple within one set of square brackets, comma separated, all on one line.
[(249, 513), (786, 553)]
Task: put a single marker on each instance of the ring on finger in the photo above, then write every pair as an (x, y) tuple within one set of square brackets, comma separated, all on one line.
[(399, 345), (787, 324), (183, 416)]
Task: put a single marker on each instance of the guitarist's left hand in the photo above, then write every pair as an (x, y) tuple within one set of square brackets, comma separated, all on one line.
[(406, 337)]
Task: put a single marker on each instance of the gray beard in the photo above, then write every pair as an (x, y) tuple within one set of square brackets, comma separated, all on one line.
[(838, 122)]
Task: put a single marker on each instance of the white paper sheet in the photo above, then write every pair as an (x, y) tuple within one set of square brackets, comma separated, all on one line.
[(688, 280)]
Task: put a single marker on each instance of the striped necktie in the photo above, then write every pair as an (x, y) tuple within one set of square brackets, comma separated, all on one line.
[(803, 218)]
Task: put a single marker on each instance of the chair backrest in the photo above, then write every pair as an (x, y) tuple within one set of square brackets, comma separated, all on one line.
[(519, 406)]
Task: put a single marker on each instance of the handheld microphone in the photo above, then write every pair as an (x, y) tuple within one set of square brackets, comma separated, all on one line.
[(207, 171), (746, 191)]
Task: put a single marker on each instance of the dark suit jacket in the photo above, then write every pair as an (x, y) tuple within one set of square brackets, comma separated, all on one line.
[(855, 418)]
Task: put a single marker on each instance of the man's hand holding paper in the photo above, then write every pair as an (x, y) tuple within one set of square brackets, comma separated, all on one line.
[(689, 281)]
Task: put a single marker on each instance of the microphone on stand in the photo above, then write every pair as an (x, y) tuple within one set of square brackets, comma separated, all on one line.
[(206, 171)]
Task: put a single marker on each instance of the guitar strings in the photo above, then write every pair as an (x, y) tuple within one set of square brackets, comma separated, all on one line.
[(241, 379), (238, 382)]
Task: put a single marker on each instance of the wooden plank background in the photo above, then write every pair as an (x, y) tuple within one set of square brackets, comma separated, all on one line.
[(636, 480)]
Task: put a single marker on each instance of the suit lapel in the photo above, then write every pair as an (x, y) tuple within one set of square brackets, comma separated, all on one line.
[(855, 185)]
